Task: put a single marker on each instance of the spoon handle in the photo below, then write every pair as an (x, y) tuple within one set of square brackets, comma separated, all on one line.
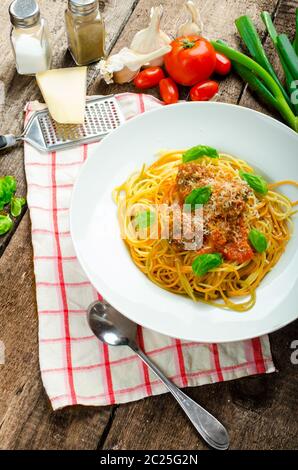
[(211, 430)]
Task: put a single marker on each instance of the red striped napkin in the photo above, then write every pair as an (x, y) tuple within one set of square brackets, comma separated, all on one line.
[(76, 368)]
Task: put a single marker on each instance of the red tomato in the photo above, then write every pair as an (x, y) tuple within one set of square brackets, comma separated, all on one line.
[(223, 64), (191, 60), (149, 78), (168, 91), (204, 91)]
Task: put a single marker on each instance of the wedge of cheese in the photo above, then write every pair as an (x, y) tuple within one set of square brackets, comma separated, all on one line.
[(64, 91)]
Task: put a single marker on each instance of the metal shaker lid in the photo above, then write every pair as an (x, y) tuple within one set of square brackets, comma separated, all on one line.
[(24, 13), (82, 7)]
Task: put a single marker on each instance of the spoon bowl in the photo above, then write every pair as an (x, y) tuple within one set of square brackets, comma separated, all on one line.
[(110, 326)]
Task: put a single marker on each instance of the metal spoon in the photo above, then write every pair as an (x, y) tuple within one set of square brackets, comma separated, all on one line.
[(115, 329)]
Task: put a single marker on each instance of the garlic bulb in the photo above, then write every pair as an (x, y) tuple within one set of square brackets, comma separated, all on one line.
[(193, 26), (125, 65), (152, 37)]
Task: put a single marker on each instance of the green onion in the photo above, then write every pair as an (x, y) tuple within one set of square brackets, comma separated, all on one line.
[(256, 85), (291, 86), (262, 74), (288, 53), (273, 35), (253, 43), (267, 20)]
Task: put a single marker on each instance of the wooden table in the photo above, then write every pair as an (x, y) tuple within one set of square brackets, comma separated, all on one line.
[(260, 412)]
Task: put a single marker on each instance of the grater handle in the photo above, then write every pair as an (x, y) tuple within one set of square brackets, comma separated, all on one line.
[(7, 141)]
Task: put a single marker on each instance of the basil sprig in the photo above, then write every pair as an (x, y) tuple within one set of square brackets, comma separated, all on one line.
[(258, 240), (144, 219), (199, 151), (8, 187), (256, 182), (5, 224), (198, 196), (16, 205), (203, 263)]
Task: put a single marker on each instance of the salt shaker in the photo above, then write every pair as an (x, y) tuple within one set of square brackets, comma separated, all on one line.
[(29, 37), (85, 31)]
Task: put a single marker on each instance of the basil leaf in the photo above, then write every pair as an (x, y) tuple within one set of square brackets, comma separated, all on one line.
[(5, 224), (258, 240), (203, 263), (199, 151), (16, 205), (10, 183), (256, 182), (8, 187), (199, 196), (144, 219)]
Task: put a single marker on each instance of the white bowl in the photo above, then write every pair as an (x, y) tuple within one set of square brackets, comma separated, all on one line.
[(266, 144)]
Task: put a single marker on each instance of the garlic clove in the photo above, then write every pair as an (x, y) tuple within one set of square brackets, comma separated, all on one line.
[(108, 67), (152, 37), (125, 75), (125, 65), (193, 25)]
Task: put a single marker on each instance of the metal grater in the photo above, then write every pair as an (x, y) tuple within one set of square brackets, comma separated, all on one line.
[(102, 116)]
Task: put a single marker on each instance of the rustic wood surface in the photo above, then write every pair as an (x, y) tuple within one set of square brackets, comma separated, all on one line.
[(260, 412)]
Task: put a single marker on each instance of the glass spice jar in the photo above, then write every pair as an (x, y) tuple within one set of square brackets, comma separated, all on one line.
[(29, 38), (85, 31)]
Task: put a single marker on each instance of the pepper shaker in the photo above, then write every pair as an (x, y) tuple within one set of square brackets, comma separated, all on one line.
[(29, 37), (85, 31)]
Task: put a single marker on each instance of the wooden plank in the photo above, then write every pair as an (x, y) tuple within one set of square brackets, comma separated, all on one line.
[(29, 422), (19, 89), (26, 417)]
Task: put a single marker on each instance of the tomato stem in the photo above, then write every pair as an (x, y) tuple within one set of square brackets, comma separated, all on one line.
[(187, 44)]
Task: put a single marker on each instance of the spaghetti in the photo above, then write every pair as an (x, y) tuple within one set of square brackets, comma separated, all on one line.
[(233, 209)]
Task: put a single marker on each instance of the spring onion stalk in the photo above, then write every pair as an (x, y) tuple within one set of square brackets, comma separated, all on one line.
[(288, 53), (262, 74), (295, 44), (256, 85), (290, 82), (266, 17), (253, 43)]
